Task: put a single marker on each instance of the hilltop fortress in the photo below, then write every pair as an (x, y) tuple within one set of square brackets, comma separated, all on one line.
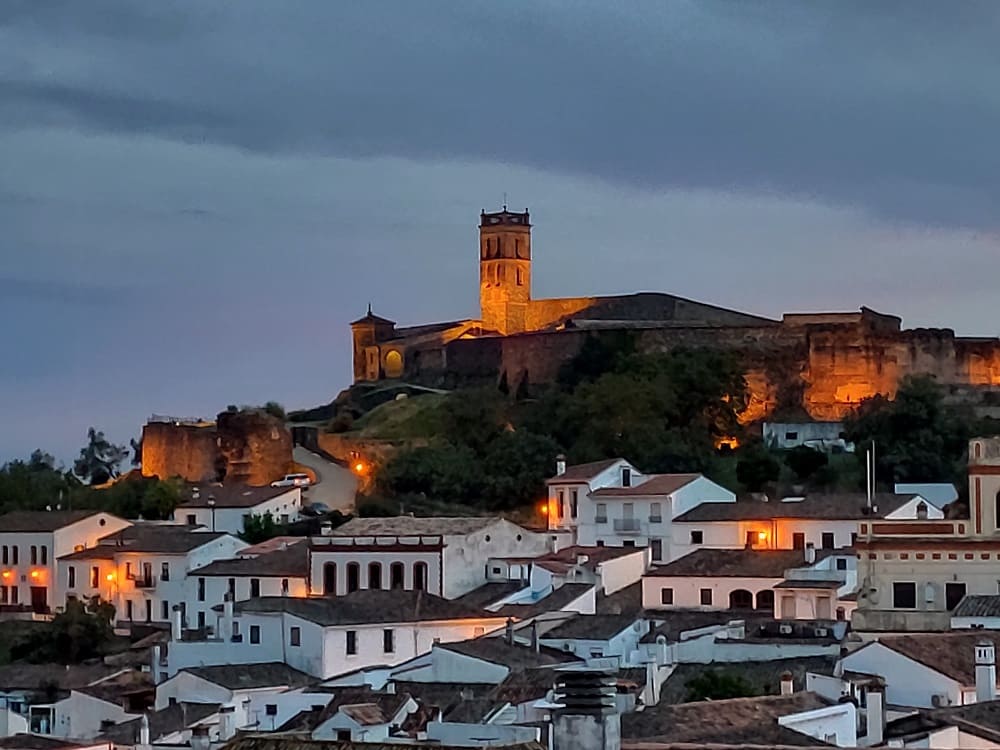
[(818, 365)]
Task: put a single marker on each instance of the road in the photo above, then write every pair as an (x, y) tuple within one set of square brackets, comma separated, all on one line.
[(335, 485)]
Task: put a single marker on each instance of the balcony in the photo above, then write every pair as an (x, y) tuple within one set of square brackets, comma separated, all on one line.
[(145, 582), (627, 524), (601, 519), (656, 519)]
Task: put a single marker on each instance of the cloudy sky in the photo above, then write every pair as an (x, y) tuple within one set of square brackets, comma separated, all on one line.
[(197, 197)]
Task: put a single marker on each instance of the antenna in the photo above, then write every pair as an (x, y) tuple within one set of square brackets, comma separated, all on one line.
[(868, 477), (504, 200)]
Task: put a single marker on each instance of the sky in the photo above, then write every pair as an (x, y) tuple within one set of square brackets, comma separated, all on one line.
[(197, 198)]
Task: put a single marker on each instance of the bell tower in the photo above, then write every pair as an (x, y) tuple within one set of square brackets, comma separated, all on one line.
[(504, 270)]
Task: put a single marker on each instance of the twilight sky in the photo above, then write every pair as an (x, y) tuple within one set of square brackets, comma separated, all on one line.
[(196, 198)]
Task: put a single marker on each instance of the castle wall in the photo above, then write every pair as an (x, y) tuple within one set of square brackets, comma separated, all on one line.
[(256, 447), (186, 451)]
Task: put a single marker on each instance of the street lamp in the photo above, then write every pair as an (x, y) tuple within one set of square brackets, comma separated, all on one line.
[(211, 505)]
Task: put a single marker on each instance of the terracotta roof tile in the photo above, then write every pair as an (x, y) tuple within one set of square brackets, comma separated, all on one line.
[(657, 484), (745, 563), (842, 506), (583, 472), (951, 654)]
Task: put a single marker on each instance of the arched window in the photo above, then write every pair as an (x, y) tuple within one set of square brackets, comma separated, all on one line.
[(765, 600), (374, 575), (740, 599), (420, 576), (397, 575), (353, 577), (330, 578), (922, 508)]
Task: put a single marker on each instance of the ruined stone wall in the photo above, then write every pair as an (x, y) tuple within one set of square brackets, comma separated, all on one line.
[(256, 447), (186, 451)]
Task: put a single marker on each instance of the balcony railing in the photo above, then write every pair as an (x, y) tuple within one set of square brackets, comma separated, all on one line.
[(144, 582), (601, 519), (626, 524), (656, 519)]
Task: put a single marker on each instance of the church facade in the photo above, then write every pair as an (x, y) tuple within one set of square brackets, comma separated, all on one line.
[(822, 364)]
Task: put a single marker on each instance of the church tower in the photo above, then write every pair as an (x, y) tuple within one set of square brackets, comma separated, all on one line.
[(504, 270)]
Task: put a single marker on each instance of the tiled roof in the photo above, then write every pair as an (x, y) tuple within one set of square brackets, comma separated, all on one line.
[(21, 676), (800, 583), (171, 719), (674, 622), (377, 704), (458, 701), (39, 742), (367, 606), (496, 650), (366, 714), (843, 506), (554, 602), (290, 563), (273, 741), (657, 484), (490, 593), (165, 538), (628, 599), (764, 677), (978, 605), (951, 654), (27, 521), (229, 495), (250, 676), (411, 526), (591, 556), (591, 627), (583, 472), (736, 721), (979, 719), (112, 690), (743, 563)]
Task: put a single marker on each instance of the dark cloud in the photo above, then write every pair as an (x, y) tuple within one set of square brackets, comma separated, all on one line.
[(891, 106)]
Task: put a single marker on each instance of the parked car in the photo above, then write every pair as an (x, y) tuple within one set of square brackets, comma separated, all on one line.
[(316, 509), (293, 480)]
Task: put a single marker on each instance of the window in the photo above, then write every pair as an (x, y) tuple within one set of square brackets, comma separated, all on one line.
[(697, 537), (602, 513), (191, 521), (765, 600), (353, 577), (798, 540), (656, 547), (791, 436), (95, 577), (388, 642), (343, 735), (295, 636), (14, 554), (626, 477), (351, 643), (6, 555), (14, 594), (420, 576), (164, 571), (706, 597), (3, 594), (826, 540), (128, 609), (201, 621), (666, 596), (271, 709), (953, 594), (574, 503), (330, 578), (255, 634), (232, 588), (740, 599), (128, 570), (496, 571), (374, 575), (254, 588), (45, 555), (164, 610), (34, 554), (397, 572), (284, 587), (904, 595), (841, 563), (71, 577), (854, 538), (201, 589), (560, 511), (628, 542), (655, 514)]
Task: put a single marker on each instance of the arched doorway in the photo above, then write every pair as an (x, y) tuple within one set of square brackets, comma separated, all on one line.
[(765, 600), (740, 599), (393, 364)]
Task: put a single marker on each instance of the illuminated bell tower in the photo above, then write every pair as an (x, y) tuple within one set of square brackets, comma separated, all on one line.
[(504, 270)]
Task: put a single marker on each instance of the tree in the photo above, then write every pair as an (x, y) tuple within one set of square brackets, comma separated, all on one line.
[(917, 437), (99, 459), (275, 410), (81, 631), (259, 528), (717, 684), (136, 446), (756, 468), (35, 484), (805, 461)]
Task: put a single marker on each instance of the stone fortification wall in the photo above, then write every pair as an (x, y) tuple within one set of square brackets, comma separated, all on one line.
[(179, 450)]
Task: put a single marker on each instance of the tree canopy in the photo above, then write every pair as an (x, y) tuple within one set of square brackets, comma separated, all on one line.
[(99, 458)]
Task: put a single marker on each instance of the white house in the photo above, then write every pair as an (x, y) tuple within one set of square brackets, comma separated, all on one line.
[(30, 544), (267, 569), (611, 503), (330, 636), (444, 556), (611, 569), (826, 437), (790, 584), (972, 727), (224, 507), (930, 670), (363, 719), (827, 521), (143, 570), (609, 639)]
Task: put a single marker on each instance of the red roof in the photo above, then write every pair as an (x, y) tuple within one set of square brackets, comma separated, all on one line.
[(583, 472), (657, 484)]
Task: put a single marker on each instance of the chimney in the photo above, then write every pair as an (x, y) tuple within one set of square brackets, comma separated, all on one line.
[(227, 617), (199, 739), (176, 623), (154, 662), (810, 553), (227, 722), (509, 631), (787, 684), (588, 718), (560, 465), (875, 716), (986, 672), (534, 637), (144, 731)]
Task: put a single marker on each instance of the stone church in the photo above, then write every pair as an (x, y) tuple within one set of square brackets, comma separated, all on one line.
[(816, 365)]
